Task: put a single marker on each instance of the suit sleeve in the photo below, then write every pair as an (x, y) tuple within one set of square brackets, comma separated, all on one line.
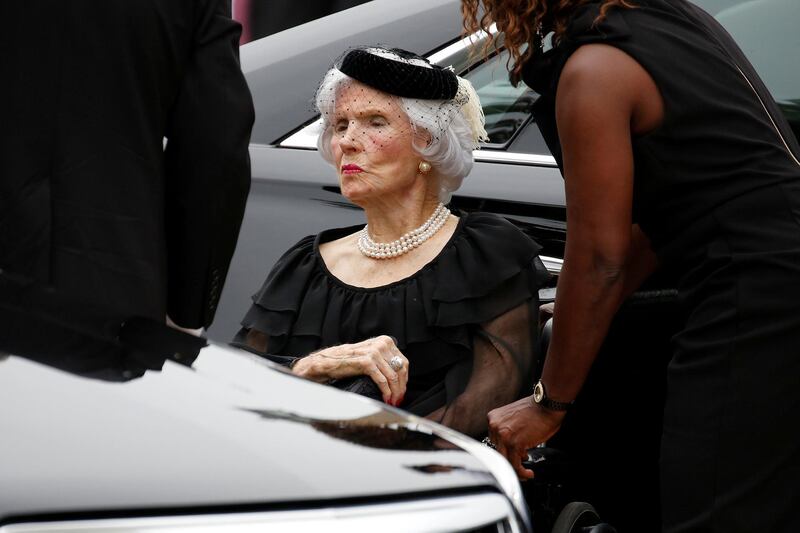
[(207, 167)]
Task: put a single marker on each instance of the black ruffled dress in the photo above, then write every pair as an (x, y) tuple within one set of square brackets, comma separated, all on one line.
[(466, 321)]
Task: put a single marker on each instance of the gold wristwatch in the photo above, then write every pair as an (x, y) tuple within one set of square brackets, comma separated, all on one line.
[(540, 398)]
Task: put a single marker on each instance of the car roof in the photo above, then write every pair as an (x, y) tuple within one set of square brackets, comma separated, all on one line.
[(284, 69)]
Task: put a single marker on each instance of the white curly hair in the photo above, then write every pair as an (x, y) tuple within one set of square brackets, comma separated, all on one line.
[(453, 133)]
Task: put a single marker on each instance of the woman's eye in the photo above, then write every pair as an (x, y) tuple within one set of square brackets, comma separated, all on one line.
[(341, 127), (378, 122)]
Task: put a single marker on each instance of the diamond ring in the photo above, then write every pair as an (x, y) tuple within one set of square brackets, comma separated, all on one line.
[(487, 441), (396, 363)]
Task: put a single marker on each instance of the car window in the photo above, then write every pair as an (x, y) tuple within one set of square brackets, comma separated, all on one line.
[(507, 108)]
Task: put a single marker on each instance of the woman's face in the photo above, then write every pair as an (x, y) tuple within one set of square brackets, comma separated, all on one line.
[(372, 144)]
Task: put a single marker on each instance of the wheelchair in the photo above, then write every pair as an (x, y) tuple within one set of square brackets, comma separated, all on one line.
[(600, 473)]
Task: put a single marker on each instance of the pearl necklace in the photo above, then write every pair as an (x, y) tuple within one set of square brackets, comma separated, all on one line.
[(406, 243)]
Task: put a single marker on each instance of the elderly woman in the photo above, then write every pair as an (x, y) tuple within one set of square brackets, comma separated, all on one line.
[(433, 308)]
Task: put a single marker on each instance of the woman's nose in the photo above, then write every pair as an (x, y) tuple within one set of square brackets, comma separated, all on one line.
[(348, 139)]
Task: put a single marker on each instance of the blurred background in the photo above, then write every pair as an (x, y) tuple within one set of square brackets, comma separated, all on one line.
[(260, 18)]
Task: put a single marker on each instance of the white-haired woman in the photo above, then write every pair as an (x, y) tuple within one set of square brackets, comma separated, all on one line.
[(438, 311)]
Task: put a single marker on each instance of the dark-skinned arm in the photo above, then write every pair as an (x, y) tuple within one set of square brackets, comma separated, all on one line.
[(602, 100)]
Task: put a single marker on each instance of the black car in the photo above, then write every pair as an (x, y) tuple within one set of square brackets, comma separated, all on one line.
[(613, 433), (227, 442)]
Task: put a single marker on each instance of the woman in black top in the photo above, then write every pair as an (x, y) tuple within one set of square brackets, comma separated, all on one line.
[(444, 320), (674, 155)]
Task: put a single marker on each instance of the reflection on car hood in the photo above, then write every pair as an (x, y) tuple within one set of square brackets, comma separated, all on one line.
[(231, 429)]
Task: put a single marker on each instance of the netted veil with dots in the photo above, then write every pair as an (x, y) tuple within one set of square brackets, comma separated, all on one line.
[(376, 96)]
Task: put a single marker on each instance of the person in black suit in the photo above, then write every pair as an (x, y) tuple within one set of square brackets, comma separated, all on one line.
[(124, 166)]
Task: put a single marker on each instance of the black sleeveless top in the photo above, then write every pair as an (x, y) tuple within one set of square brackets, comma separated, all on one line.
[(720, 138)]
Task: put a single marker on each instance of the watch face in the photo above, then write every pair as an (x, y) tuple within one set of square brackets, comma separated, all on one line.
[(538, 392)]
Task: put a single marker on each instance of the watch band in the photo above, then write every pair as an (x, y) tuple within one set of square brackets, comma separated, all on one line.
[(540, 398)]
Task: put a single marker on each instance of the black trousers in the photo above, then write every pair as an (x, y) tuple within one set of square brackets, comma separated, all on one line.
[(730, 457)]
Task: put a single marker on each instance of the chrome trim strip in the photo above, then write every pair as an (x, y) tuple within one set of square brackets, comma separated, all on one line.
[(496, 156), (453, 513), (552, 264), (305, 137), (477, 38)]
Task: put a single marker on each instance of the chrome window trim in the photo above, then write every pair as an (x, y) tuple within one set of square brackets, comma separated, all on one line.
[(452, 513), (443, 57), (552, 264), (304, 138), (497, 156)]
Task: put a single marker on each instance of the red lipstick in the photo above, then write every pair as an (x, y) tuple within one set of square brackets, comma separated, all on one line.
[(351, 169)]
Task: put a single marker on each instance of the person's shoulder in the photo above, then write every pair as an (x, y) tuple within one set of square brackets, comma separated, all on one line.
[(328, 238), (492, 223), (491, 234), (304, 247), (491, 267), (600, 83), (597, 63), (288, 276)]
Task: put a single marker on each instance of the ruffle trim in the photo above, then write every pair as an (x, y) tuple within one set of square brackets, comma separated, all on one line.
[(488, 267)]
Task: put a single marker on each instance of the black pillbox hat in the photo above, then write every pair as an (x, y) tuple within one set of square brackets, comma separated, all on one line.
[(398, 77)]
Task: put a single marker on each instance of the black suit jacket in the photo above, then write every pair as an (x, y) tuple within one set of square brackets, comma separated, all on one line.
[(92, 202)]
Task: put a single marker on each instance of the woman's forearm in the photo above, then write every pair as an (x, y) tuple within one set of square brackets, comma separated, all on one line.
[(589, 293), (591, 287)]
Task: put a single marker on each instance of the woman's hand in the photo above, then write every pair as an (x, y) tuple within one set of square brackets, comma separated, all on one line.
[(519, 426), (367, 358)]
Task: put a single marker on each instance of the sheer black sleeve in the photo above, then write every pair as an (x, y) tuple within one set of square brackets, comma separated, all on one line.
[(504, 355)]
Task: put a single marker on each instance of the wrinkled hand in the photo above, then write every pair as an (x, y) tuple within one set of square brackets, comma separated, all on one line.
[(367, 358), (518, 426)]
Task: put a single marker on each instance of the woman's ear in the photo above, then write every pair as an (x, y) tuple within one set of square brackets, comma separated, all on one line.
[(422, 137)]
